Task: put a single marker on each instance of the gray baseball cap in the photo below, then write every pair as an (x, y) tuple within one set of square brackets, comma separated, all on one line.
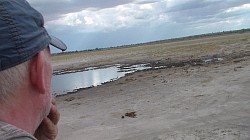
[(22, 33)]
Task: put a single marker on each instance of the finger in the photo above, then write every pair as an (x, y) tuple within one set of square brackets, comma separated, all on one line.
[(54, 114), (50, 128)]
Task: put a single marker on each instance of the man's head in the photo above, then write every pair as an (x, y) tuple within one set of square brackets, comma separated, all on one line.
[(22, 33), (25, 67), (22, 36)]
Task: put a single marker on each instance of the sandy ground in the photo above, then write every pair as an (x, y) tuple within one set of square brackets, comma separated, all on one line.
[(191, 103)]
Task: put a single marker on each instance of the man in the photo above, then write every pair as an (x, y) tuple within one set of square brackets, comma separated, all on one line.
[(27, 110)]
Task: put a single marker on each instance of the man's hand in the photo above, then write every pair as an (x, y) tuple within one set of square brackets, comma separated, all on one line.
[(48, 128)]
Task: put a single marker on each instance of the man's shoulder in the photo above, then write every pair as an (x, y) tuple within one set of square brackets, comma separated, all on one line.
[(10, 132)]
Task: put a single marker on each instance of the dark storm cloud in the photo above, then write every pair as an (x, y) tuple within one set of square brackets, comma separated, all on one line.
[(196, 10), (52, 9)]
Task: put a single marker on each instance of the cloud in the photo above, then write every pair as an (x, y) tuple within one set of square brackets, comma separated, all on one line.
[(151, 12), (131, 21), (53, 9), (109, 19), (193, 11)]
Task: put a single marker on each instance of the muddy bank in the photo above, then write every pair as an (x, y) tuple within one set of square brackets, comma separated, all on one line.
[(120, 70)]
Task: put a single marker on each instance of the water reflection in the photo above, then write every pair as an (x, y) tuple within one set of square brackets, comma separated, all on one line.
[(69, 82)]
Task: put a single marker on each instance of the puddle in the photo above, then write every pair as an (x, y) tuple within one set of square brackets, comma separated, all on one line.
[(64, 82), (71, 81)]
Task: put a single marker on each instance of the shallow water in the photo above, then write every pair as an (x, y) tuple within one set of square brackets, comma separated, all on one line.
[(64, 82), (71, 81)]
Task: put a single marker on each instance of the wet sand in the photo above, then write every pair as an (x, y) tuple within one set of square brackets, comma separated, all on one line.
[(202, 101)]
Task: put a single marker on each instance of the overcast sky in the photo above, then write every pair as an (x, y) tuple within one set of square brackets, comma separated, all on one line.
[(90, 24)]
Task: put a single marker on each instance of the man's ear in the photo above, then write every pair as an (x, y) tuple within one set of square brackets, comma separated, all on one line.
[(37, 72)]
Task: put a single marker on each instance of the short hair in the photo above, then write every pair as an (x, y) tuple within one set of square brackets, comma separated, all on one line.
[(10, 79)]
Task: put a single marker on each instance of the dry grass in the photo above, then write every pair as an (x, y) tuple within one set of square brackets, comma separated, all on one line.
[(179, 49)]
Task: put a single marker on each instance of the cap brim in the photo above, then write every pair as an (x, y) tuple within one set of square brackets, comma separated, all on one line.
[(57, 43)]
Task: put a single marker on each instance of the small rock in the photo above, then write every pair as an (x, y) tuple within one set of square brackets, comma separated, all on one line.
[(70, 99), (131, 114)]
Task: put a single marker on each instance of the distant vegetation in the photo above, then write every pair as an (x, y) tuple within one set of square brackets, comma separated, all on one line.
[(166, 40)]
